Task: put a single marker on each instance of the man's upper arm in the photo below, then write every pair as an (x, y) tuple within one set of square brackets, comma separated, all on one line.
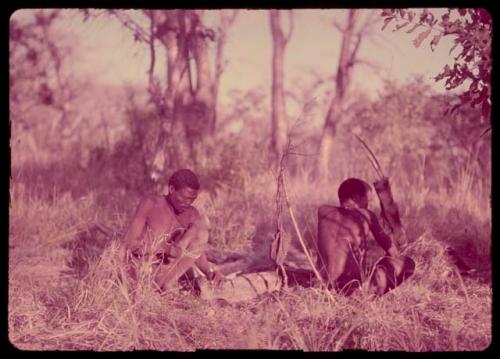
[(201, 220), (138, 220), (324, 211)]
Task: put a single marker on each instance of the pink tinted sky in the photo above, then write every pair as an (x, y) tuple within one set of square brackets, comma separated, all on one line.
[(106, 52)]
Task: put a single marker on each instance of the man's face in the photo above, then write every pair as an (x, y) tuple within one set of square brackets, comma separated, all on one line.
[(364, 201), (182, 198)]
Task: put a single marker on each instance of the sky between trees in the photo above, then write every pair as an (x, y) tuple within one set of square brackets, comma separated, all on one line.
[(106, 52)]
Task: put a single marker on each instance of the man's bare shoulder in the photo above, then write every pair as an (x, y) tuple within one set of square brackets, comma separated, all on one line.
[(194, 216), (152, 199), (193, 213), (369, 215), (325, 209)]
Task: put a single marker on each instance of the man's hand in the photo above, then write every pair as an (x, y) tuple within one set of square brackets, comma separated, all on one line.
[(216, 277), (393, 252), (172, 250)]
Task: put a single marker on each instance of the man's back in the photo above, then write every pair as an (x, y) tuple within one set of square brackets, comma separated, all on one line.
[(342, 235), (340, 224), (341, 242)]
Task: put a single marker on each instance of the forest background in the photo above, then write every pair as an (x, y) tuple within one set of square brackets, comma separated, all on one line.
[(105, 104)]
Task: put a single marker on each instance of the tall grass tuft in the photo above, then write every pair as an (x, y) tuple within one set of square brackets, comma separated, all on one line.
[(102, 309)]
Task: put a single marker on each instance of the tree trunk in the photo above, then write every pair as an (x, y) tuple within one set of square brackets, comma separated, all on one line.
[(199, 117), (226, 20), (278, 114), (342, 80), (189, 107)]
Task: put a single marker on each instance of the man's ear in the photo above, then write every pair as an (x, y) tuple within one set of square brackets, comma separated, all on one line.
[(356, 198), (171, 189)]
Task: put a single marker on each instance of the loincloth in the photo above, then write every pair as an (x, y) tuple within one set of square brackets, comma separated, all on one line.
[(351, 279)]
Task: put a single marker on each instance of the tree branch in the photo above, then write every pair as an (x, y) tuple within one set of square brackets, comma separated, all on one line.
[(338, 26), (139, 33), (368, 63), (230, 19), (151, 46), (291, 26), (371, 20), (352, 58)]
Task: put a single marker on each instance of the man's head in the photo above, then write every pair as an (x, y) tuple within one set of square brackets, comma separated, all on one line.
[(356, 190), (183, 188)]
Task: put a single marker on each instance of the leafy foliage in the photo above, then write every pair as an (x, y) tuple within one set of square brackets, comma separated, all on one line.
[(43, 91), (471, 29), (404, 128)]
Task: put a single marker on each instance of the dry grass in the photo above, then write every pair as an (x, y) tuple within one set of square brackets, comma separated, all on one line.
[(436, 310)]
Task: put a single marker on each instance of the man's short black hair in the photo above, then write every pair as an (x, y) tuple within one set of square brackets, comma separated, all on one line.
[(184, 178), (352, 188)]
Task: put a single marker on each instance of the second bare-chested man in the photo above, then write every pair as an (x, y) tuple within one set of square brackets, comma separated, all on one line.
[(171, 230), (342, 236)]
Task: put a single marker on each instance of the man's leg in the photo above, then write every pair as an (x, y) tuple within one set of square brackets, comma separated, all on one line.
[(389, 273), (168, 274), (192, 245), (378, 281)]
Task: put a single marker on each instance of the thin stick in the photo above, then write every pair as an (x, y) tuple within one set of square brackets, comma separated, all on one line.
[(373, 166), (302, 243), (282, 191), (462, 285), (485, 132), (378, 169)]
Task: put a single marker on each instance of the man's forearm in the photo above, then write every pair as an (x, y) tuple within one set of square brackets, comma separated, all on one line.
[(131, 244), (204, 265), (393, 251), (172, 250)]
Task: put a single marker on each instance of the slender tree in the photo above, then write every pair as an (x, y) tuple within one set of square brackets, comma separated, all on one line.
[(342, 80), (187, 98), (227, 18), (353, 33), (39, 83), (278, 111)]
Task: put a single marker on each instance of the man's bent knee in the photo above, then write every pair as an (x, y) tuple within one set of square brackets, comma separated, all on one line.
[(379, 283), (390, 273)]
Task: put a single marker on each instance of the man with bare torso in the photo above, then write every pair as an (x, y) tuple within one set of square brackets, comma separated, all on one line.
[(342, 236), (172, 231)]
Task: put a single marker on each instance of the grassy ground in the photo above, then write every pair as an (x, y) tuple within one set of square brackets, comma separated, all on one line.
[(52, 308)]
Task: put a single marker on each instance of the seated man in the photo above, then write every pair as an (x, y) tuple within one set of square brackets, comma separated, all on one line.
[(342, 235), (171, 230)]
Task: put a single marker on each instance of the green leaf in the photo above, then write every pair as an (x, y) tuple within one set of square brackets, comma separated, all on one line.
[(387, 12), (435, 41), (400, 26), (445, 18), (412, 29), (411, 15), (420, 38), (386, 22), (485, 109), (453, 47)]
